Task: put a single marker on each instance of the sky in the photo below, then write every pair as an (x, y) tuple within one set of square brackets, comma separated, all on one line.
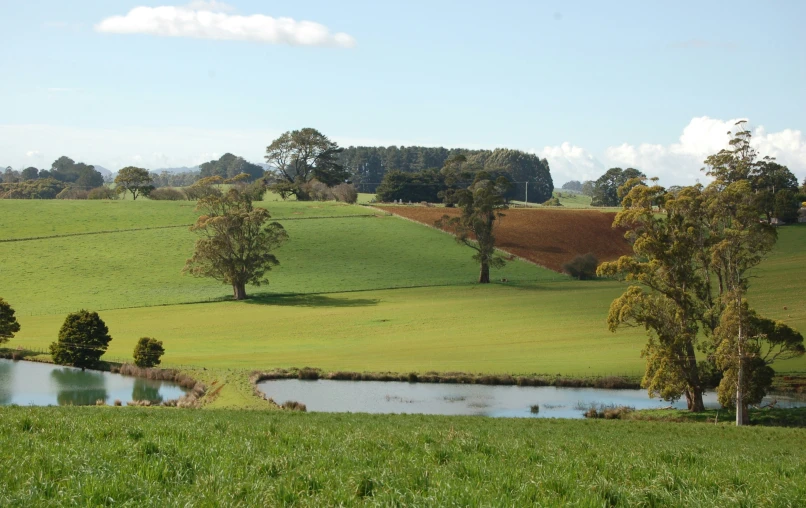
[(588, 85)]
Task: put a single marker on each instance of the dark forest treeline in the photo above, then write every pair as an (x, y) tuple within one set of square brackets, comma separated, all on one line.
[(368, 165)]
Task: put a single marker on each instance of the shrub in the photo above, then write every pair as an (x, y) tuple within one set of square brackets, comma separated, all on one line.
[(83, 338), (166, 194), (316, 191), (200, 190), (308, 374), (582, 267), (46, 188), (292, 405), (147, 352), (72, 193), (552, 202), (102, 193), (345, 193)]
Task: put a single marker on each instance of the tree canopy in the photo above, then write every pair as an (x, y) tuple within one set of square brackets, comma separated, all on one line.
[(605, 190), (67, 170), (8, 322), (236, 241), (302, 155), (229, 166), (83, 339), (134, 180), (481, 204)]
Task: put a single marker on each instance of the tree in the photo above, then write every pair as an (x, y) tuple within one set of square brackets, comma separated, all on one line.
[(236, 242), (302, 155), (420, 186), (134, 180), (605, 190), (587, 188), (481, 205), (766, 341), (573, 185), (229, 166), (582, 267), (147, 352), (67, 170), (667, 288), (30, 173), (768, 179), (8, 322), (786, 206), (83, 339), (529, 174)]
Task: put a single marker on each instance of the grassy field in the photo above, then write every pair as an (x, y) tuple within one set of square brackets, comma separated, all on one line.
[(129, 457), (328, 305), (354, 251)]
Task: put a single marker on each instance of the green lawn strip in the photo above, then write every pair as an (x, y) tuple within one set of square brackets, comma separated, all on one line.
[(789, 417), (157, 456)]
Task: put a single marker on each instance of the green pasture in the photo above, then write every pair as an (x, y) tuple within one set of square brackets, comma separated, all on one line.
[(52, 217), (329, 304), (572, 199), (165, 457)]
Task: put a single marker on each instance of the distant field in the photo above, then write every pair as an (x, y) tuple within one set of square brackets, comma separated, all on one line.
[(548, 237), (164, 457), (571, 199), (34, 218)]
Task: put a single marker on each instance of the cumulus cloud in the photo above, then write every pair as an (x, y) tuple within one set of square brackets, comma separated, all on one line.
[(680, 162), (210, 20), (571, 162), (32, 153)]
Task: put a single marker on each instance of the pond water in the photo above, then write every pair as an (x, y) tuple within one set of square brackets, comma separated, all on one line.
[(458, 399), (42, 384)]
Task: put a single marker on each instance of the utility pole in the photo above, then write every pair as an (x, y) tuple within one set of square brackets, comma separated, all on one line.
[(527, 193)]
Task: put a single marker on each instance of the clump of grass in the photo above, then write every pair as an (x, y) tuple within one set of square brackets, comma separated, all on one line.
[(100, 402), (534, 408), (118, 403), (365, 487), (308, 373), (293, 405)]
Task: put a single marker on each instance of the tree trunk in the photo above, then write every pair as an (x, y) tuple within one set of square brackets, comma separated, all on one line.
[(238, 290), (694, 391), (741, 407), (484, 276)]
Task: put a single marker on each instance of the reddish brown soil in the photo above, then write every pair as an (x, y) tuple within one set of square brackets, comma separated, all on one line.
[(549, 238)]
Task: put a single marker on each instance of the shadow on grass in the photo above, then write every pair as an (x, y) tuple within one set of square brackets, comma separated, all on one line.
[(313, 300)]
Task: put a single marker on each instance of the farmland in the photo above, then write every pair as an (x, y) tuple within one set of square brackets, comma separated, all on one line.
[(546, 237), (362, 291), (135, 456)]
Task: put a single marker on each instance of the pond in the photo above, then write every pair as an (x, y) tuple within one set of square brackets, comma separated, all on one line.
[(43, 384), (462, 399)]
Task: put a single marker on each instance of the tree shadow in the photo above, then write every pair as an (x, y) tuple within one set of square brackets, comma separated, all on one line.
[(298, 300)]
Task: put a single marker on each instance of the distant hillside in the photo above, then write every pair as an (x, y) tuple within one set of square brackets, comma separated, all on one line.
[(105, 172), (183, 169)]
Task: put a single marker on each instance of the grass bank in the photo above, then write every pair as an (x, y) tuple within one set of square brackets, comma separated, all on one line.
[(133, 456)]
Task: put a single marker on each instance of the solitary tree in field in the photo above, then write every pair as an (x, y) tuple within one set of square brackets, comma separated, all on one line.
[(481, 205), (148, 352), (135, 180), (8, 322), (83, 339), (236, 242)]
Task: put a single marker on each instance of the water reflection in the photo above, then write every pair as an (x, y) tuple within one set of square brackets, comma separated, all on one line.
[(146, 390), (454, 399), (78, 388), (41, 384), (5, 383)]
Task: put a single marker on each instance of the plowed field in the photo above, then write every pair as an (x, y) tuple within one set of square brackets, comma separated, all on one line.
[(549, 238)]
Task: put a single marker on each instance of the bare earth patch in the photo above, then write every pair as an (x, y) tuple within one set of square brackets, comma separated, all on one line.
[(549, 238)]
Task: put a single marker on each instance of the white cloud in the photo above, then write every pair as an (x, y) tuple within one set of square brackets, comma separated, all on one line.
[(570, 162), (209, 5), (208, 20), (32, 153), (676, 163)]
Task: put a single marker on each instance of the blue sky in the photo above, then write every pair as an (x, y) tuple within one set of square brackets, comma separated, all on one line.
[(586, 84)]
